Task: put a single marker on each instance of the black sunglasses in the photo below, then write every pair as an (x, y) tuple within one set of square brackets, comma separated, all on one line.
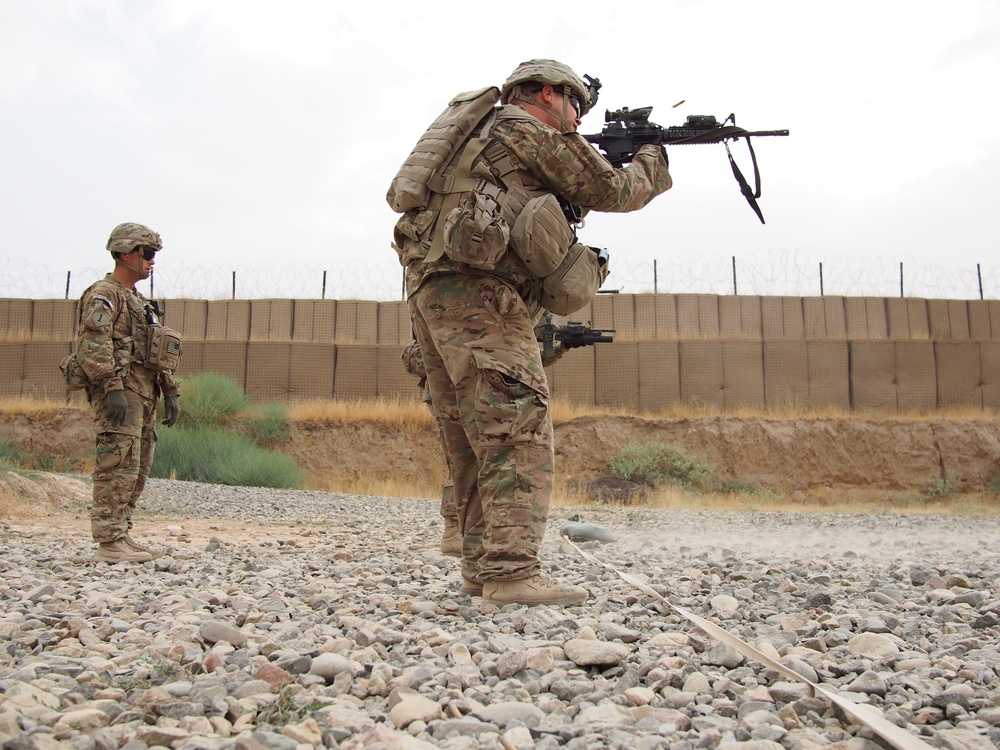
[(147, 252), (575, 101)]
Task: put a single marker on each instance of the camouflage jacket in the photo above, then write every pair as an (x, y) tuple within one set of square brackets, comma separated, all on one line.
[(112, 336), (547, 161)]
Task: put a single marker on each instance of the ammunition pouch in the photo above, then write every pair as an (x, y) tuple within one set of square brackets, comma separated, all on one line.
[(541, 236), (475, 232), (575, 282), (163, 350)]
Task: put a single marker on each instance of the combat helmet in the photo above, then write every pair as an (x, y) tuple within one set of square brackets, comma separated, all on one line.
[(553, 73), (128, 236)]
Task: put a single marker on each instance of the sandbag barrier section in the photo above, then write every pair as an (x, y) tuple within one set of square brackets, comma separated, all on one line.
[(721, 352)]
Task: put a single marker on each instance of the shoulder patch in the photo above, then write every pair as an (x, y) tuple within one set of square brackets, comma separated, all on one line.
[(105, 301), (100, 317)]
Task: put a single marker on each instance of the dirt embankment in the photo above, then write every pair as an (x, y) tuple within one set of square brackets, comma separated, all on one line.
[(787, 455)]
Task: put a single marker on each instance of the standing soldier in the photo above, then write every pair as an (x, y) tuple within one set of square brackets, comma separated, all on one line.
[(451, 540), (128, 358), (490, 198)]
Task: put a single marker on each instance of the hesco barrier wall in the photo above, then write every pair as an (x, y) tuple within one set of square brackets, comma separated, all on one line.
[(727, 352)]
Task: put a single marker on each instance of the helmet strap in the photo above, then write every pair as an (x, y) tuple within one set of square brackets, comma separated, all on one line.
[(562, 117), (119, 260)]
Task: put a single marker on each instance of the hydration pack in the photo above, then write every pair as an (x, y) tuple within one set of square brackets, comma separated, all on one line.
[(412, 186)]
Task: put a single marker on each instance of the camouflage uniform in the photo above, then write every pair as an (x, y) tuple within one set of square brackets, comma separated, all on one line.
[(484, 368), (111, 343), (413, 361), (414, 364)]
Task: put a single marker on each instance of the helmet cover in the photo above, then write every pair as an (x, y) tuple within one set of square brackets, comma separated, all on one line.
[(128, 236), (554, 73)]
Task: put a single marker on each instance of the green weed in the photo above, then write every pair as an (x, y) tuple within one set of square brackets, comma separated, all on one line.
[(210, 399), (267, 423), (940, 488), (993, 482), (217, 456), (656, 463), (11, 457), (285, 709)]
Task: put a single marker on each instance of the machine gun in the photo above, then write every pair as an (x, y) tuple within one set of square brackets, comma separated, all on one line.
[(571, 335), (626, 131)]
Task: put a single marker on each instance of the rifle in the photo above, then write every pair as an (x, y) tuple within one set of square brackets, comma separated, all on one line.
[(626, 131), (571, 335)]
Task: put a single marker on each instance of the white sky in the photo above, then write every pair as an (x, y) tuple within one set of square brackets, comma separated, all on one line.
[(261, 137)]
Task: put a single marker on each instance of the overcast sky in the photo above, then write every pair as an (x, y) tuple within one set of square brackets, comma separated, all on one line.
[(261, 137)]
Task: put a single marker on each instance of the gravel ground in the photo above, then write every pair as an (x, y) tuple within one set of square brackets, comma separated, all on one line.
[(286, 619)]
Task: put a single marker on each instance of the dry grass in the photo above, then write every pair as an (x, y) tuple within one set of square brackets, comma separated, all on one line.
[(564, 412), (352, 483), (29, 405), (409, 416), (976, 504), (412, 414)]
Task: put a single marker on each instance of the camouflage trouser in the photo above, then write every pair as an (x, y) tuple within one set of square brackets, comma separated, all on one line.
[(124, 456), (491, 401), (448, 510)]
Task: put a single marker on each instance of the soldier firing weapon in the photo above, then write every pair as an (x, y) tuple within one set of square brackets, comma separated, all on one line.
[(625, 131)]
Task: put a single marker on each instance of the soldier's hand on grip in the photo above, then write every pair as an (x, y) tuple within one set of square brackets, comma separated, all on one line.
[(117, 408), (171, 410)]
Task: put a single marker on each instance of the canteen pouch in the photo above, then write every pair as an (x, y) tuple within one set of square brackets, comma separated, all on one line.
[(541, 236), (475, 233), (76, 378), (575, 282), (163, 353)]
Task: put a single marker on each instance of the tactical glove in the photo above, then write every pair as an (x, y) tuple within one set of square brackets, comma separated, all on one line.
[(554, 353), (117, 408), (171, 410)]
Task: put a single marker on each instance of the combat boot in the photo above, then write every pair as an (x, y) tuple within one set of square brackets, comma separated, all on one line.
[(535, 590), (120, 551), (471, 588), (153, 551), (451, 542)]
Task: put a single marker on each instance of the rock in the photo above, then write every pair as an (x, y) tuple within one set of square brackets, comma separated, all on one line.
[(872, 646), (586, 532), (411, 707), (341, 611), (306, 731), (586, 653), (214, 631), (328, 666)]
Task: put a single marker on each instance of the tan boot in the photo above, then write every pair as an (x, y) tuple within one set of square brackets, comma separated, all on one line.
[(451, 542), (120, 551), (535, 590), (471, 588), (153, 551)]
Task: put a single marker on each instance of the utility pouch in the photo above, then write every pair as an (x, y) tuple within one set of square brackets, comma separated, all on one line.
[(575, 282), (163, 352), (76, 377), (410, 236), (541, 236), (474, 232)]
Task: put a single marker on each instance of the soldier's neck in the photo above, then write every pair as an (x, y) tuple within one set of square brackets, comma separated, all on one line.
[(125, 275)]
